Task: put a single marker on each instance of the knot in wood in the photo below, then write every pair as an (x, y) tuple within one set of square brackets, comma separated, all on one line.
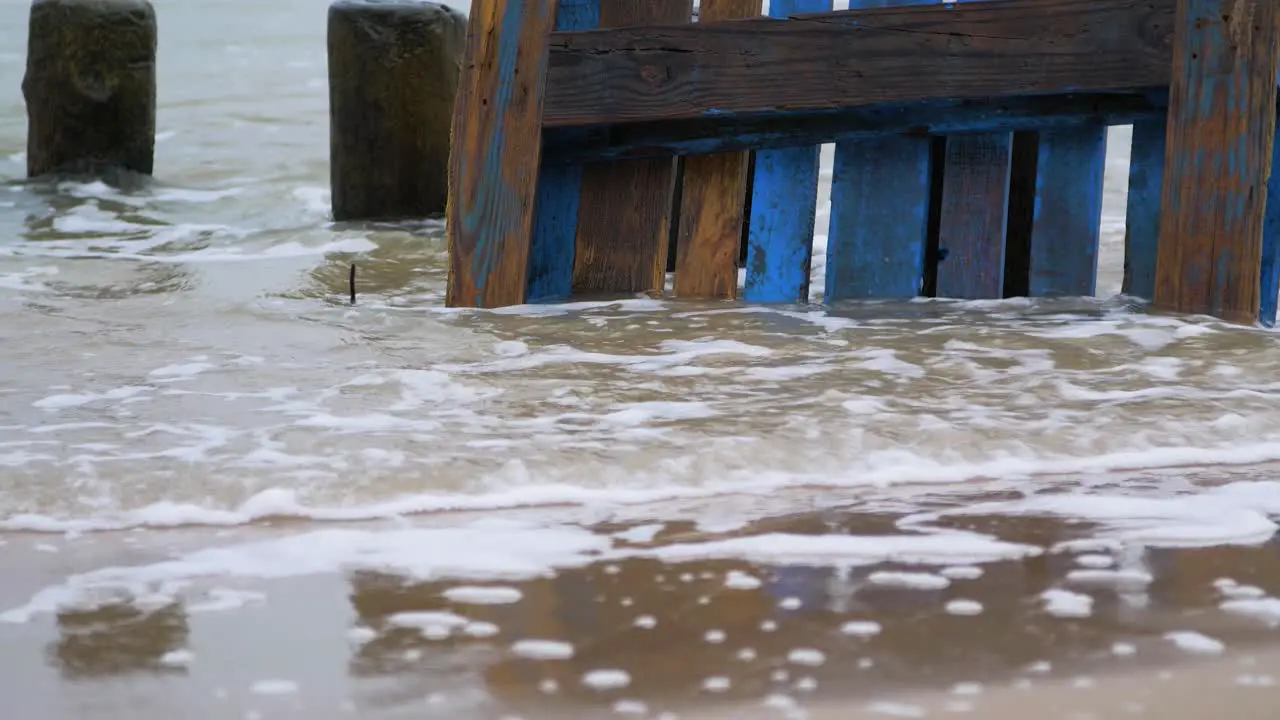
[(653, 74)]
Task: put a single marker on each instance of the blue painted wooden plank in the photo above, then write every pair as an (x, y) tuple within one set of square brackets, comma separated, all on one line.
[(879, 219), (1270, 286), (784, 199), (493, 165), (879, 211), (1067, 220), (555, 218), (1142, 213)]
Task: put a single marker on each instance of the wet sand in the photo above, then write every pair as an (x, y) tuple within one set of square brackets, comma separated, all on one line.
[(660, 637)]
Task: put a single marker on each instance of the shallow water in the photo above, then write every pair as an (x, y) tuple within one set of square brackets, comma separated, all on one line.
[(184, 378)]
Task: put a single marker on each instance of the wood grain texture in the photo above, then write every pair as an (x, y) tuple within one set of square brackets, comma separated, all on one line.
[(781, 130), (393, 79), (713, 200), (497, 149), (1142, 213), (710, 226), (879, 218), (993, 49), (974, 216), (555, 220), (783, 203), (1222, 126), (90, 87), (1067, 219), (625, 214)]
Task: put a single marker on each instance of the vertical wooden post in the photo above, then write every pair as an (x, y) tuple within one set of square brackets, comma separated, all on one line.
[(880, 199), (783, 201), (712, 201), (1222, 127), (974, 222), (90, 87), (393, 78), (880, 193), (624, 216), (555, 219), (1142, 212), (1067, 219), (975, 206), (497, 149)]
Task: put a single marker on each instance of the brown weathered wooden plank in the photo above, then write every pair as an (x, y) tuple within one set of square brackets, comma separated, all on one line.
[(710, 226), (625, 213), (713, 200), (493, 167), (975, 206), (1218, 152), (999, 48)]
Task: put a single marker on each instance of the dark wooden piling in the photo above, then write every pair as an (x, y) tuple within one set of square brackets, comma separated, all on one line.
[(713, 201), (497, 150), (1222, 127), (90, 87), (393, 78)]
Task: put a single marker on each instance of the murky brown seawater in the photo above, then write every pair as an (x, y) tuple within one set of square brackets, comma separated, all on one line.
[(225, 493)]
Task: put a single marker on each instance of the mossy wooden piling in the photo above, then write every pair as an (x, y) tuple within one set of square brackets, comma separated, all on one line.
[(90, 87), (393, 77), (970, 148)]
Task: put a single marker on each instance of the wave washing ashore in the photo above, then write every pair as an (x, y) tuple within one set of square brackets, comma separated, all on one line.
[(227, 493)]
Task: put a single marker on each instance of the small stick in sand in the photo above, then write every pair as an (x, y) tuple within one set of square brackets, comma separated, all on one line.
[(351, 282)]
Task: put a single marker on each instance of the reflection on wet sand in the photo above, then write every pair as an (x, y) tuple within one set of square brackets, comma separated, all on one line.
[(648, 636), (119, 639)]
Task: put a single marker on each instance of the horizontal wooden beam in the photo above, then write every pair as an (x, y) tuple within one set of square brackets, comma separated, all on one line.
[(857, 58), (723, 133)]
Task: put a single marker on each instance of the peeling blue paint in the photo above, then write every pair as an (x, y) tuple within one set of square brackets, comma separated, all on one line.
[(555, 218), (784, 200)]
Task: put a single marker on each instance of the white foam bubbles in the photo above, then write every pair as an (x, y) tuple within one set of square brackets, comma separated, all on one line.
[(909, 580), (1067, 604), (543, 649), (484, 550), (942, 548), (1195, 642), (487, 595), (606, 679)]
